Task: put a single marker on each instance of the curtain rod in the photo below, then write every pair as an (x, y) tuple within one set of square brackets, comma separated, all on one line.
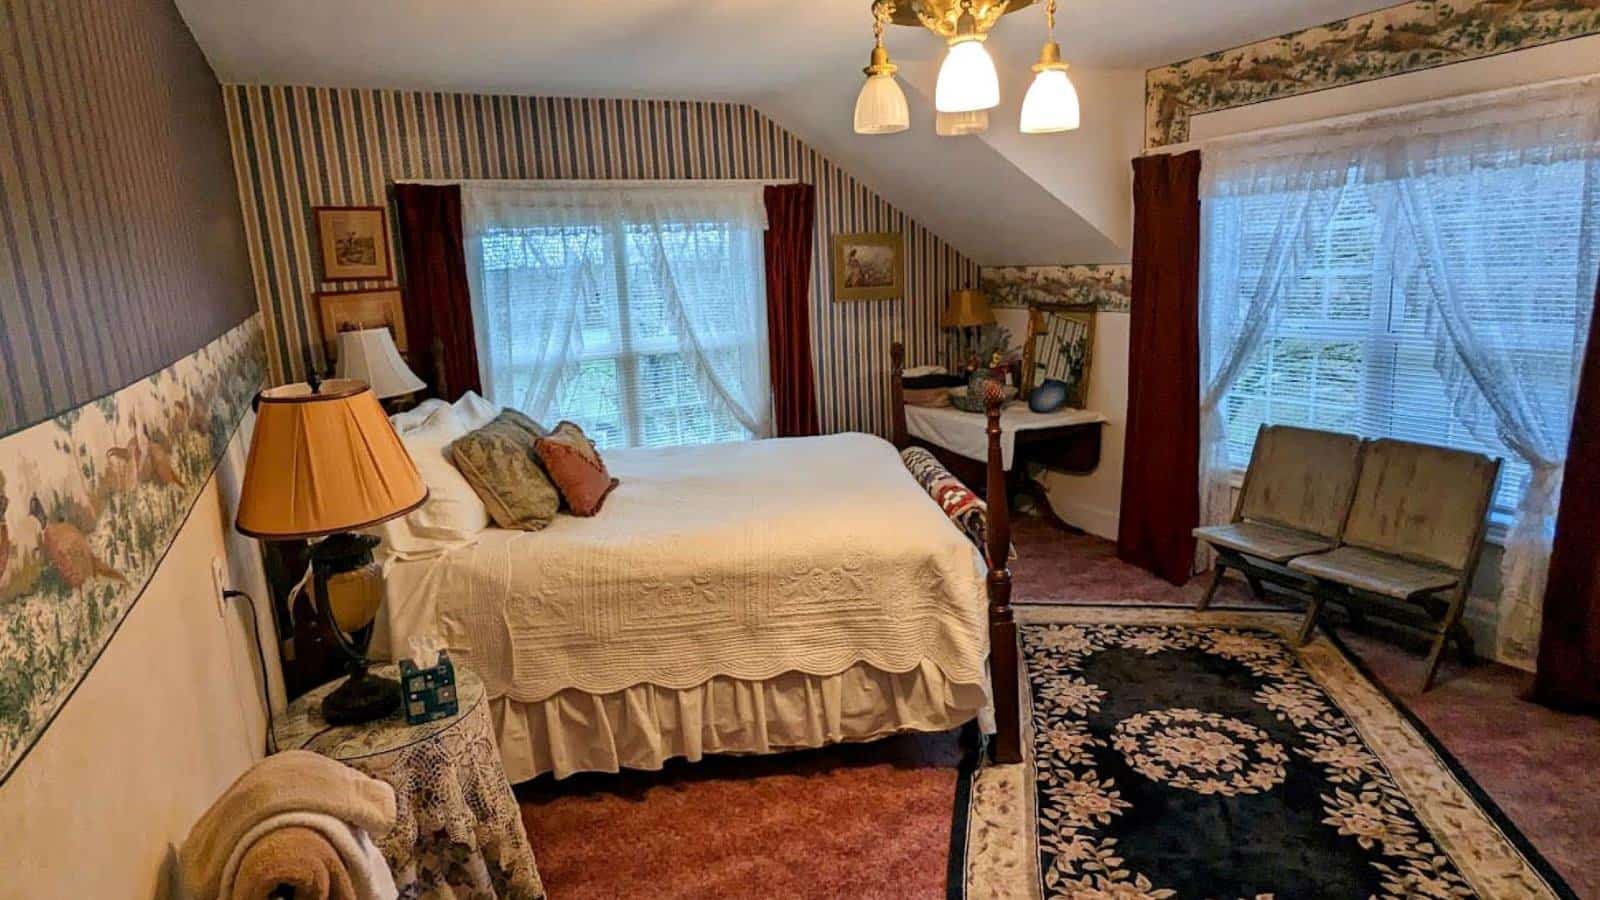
[(1311, 127), (601, 182)]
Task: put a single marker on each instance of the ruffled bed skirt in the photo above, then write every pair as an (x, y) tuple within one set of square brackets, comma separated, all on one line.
[(643, 726)]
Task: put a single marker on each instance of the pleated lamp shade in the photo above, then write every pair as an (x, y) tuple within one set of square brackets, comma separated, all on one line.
[(324, 461), (968, 308), (370, 355)]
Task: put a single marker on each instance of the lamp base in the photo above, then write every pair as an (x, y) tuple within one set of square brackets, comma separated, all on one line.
[(363, 697)]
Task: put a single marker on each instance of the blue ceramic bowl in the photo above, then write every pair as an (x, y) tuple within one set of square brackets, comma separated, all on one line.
[(1048, 397)]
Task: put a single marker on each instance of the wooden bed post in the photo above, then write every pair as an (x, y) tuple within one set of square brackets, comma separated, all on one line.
[(897, 396), (1002, 625)]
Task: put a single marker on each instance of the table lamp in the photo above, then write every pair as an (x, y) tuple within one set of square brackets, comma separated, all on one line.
[(324, 461), (370, 355), (968, 308)]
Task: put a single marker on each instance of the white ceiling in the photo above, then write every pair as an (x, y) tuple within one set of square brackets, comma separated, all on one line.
[(797, 60)]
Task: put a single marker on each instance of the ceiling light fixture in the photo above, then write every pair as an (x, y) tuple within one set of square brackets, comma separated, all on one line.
[(1052, 102), (968, 84), (967, 79), (960, 124), (881, 105)]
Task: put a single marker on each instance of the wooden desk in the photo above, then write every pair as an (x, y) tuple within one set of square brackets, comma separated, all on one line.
[(1066, 441)]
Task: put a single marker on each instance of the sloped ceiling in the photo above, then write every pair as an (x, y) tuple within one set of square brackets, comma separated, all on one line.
[(1002, 198)]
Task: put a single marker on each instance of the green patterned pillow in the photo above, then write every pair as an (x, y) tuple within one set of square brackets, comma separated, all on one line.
[(498, 460)]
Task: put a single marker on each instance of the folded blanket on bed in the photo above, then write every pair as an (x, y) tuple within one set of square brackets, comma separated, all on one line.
[(295, 781), (293, 857)]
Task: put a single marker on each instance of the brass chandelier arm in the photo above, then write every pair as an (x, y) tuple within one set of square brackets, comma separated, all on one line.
[(943, 17)]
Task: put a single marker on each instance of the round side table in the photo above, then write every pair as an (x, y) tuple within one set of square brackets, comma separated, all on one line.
[(458, 831)]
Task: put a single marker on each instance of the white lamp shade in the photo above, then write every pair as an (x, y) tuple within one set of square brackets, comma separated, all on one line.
[(1051, 104), (371, 356), (962, 123), (881, 106), (967, 79)]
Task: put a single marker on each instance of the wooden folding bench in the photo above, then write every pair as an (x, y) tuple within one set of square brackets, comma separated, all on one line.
[(1410, 543), (1296, 492)]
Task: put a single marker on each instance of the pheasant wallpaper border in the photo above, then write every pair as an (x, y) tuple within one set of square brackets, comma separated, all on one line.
[(90, 500), (1410, 37), (1108, 287)]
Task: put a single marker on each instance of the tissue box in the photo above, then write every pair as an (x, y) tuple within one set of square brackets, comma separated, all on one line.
[(430, 693)]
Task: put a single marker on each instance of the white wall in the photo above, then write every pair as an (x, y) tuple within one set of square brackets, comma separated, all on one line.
[(1092, 501), (165, 721)]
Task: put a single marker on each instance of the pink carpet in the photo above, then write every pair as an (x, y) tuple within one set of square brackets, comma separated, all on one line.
[(874, 820)]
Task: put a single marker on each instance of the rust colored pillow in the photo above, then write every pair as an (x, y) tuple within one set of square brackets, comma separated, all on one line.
[(575, 466)]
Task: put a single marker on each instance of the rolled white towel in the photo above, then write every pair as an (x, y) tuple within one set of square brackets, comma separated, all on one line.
[(369, 872)]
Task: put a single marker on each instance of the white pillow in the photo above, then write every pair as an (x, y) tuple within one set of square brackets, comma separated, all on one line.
[(414, 417), (453, 515), (474, 411)]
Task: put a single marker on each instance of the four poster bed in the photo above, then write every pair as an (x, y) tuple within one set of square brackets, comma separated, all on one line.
[(732, 598)]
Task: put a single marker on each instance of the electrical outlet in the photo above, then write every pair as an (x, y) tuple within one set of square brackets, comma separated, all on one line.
[(219, 583)]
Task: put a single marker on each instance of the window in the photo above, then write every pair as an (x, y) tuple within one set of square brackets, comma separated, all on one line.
[(1396, 265), (644, 322)]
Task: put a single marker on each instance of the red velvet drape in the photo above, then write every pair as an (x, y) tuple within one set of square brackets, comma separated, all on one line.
[(1161, 455), (791, 215), (439, 331), (1569, 643)]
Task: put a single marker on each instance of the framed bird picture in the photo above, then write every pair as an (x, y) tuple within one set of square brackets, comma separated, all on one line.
[(353, 242), (358, 311), (869, 266)]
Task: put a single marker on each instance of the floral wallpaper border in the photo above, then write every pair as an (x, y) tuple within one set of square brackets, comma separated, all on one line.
[(1108, 287), (1422, 34), (90, 500)]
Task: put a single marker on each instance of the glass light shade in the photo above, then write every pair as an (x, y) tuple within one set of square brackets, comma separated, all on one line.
[(967, 79), (962, 123), (1051, 104), (881, 106), (353, 596)]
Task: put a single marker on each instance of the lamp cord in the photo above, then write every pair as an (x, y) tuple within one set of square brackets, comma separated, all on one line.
[(261, 656)]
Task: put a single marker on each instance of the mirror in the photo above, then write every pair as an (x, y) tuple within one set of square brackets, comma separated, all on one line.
[(1060, 340)]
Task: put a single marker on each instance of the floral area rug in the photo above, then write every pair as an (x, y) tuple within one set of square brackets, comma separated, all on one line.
[(1179, 754)]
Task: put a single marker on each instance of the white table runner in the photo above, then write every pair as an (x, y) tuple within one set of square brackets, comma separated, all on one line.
[(963, 432)]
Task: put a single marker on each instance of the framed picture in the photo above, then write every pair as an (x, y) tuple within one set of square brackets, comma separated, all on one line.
[(358, 311), (1060, 341), (869, 266), (353, 242)]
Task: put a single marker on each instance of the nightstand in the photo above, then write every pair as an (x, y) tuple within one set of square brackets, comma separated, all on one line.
[(458, 830)]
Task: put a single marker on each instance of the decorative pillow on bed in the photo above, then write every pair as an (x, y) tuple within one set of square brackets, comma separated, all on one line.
[(576, 467), (498, 460), (965, 509)]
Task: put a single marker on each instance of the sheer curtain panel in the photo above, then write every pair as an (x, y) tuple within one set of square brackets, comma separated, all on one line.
[(1427, 274), (637, 311)]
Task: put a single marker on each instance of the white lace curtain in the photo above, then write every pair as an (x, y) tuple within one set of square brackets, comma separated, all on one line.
[(1486, 234), (565, 274)]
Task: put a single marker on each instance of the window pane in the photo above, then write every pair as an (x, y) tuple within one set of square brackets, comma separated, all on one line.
[(1355, 344), (631, 387)]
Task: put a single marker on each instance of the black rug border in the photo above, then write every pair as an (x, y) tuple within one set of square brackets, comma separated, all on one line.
[(955, 872), (957, 867)]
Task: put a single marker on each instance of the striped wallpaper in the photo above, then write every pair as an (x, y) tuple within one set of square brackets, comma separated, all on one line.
[(120, 245), (298, 147)]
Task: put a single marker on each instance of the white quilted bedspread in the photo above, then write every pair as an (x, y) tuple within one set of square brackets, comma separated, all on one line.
[(739, 560)]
